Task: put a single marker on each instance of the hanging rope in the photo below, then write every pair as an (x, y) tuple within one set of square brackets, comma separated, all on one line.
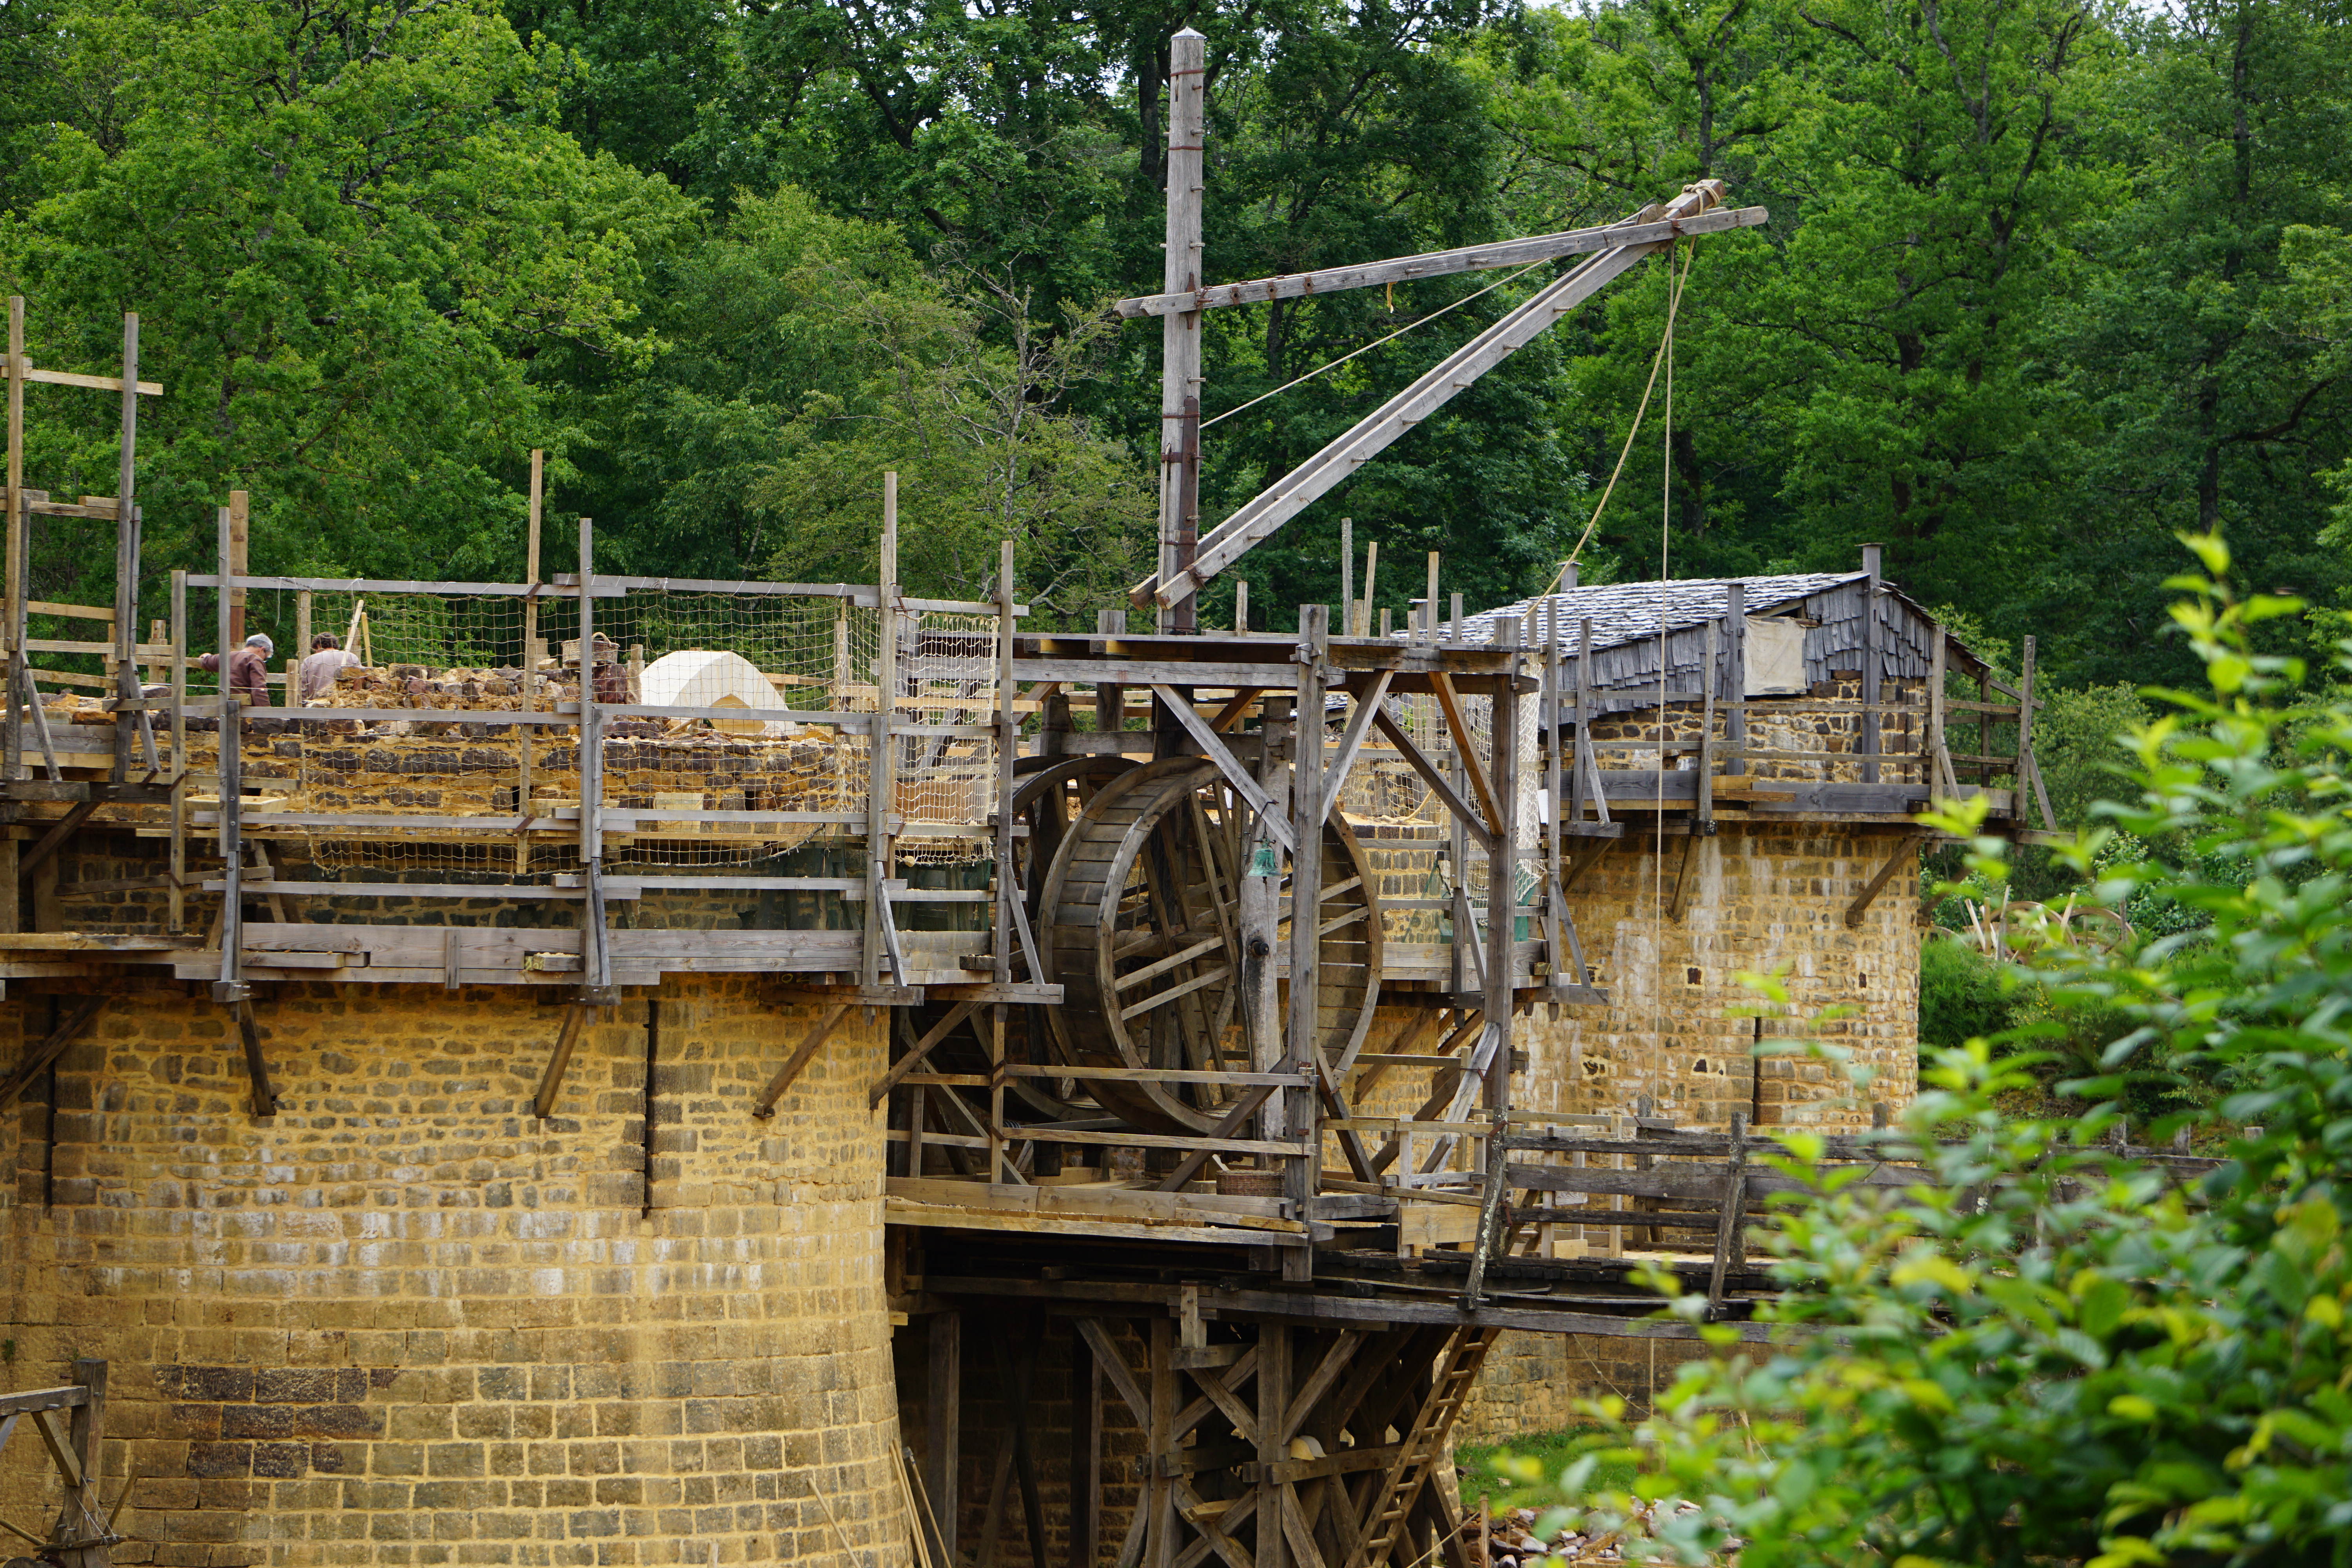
[(1666, 341), (1665, 540), (1376, 342)]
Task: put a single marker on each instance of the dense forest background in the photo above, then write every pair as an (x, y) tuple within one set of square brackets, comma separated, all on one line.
[(2046, 282)]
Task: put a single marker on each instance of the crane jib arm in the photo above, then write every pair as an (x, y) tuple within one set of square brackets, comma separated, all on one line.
[(1258, 518)]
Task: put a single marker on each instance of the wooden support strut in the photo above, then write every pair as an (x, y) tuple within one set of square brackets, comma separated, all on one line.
[(766, 1106), (551, 1082), (1906, 850), (38, 1059)]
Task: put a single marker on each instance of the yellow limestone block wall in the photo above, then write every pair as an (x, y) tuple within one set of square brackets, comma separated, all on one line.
[(405, 1322), (1765, 898)]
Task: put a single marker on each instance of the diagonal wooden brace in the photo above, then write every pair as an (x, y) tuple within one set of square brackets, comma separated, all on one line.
[(551, 1082), (766, 1106), (50, 1051)]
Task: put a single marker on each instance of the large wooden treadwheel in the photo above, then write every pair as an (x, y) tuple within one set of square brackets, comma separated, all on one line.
[(1142, 931)]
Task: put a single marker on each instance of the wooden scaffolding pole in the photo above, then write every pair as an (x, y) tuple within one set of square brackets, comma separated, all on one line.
[(1179, 341)]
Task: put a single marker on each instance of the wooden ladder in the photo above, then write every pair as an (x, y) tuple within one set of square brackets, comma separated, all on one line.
[(1424, 1448)]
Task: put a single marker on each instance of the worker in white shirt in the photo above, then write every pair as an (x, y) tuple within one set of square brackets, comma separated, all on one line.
[(315, 675)]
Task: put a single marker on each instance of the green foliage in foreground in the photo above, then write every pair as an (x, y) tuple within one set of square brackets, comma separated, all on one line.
[(2046, 1357), (1525, 1471)]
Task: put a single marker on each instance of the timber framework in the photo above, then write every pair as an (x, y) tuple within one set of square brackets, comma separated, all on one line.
[(1208, 957)]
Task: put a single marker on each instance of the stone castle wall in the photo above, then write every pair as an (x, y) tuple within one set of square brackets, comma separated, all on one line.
[(405, 1321)]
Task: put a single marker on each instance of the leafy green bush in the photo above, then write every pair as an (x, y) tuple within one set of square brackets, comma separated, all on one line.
[(1961, 995), (2041, 1354)]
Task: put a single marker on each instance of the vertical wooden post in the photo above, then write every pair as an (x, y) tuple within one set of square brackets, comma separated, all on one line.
[(1429, 604), (881, 758), (1583, 769), (1346, 576), (1241, 606), (1371, 580), (12, 635), (1008, 746), (1306, 909), (1260, 901), (1940, 778), (1160, 1454), (1870, 562), (301, 649), (125, 669), (240, 519), (1502, 872), (2028, 767), (178, 893), (1110, 702), (1086, 1454), (1180, 339), (83, 1515), (1553, 742), (1272, 1405), (230, 753), (1735, 673), (595, 961), (526, 735), (1709, 679), (943, 1415)]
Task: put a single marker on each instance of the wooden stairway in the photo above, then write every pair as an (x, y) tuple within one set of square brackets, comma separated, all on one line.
[(1424, 1448)]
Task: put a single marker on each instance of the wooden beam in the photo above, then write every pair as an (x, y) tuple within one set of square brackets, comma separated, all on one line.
[(88, 383), (38, 1059), (1440, 263), (551, 1082), (1214, 748), (1086, 1455), (256, 1070), (1435, 779), (1735, 1206), (766, 1106), (60, 1447), (914, 1058), (1908, 849), (1351, 738), (1443, 685), (1259, 518), (54, 839)]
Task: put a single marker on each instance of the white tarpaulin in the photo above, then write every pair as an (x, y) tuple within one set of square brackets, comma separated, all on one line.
[(1776, 657)]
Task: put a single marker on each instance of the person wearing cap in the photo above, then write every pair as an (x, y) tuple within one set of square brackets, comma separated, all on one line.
[(248, 671), (315, 675)]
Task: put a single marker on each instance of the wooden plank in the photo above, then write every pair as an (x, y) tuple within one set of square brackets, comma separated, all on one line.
[(31, 1399), (240, 582), (36, 376), (1440, 263), (903, 1211), (1449, 1314)]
